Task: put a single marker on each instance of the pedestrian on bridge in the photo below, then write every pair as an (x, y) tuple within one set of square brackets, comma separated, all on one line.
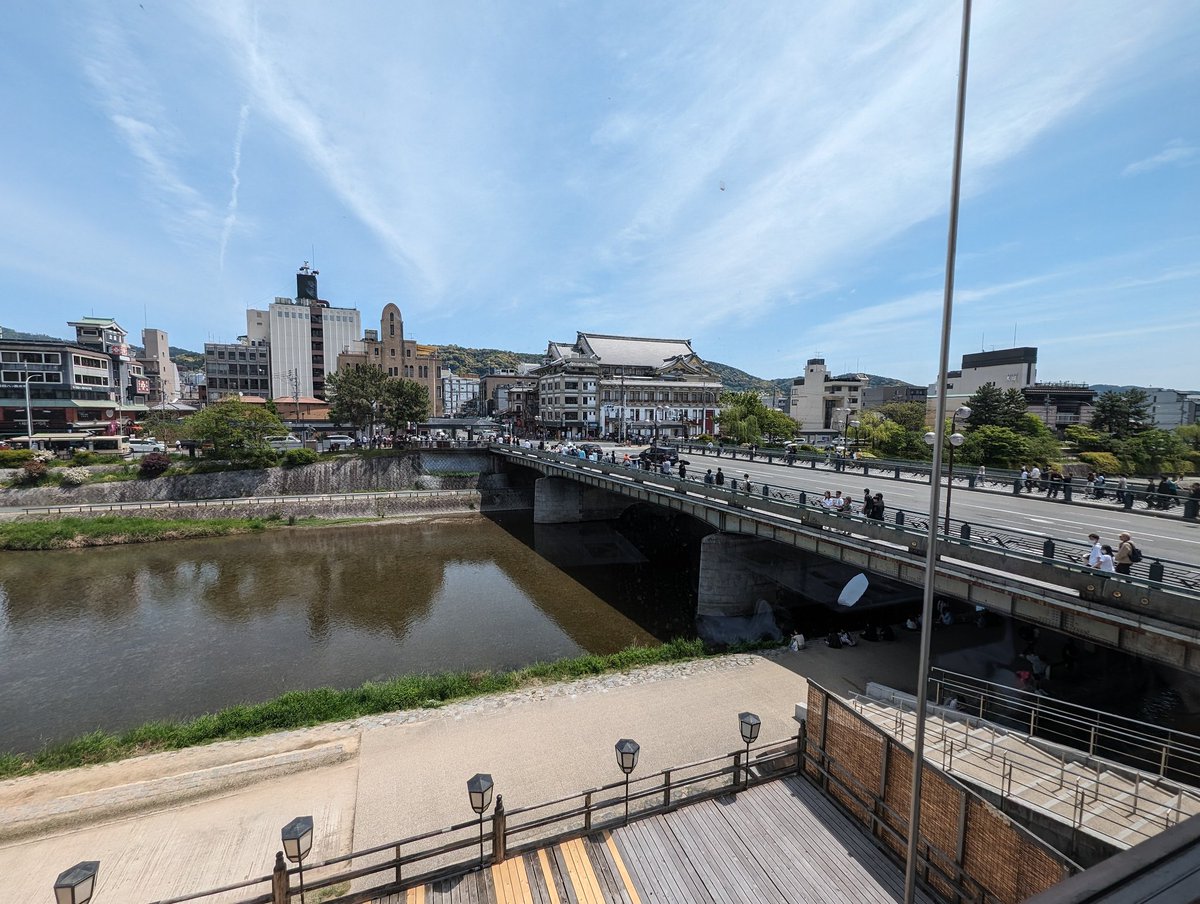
[(1106, 559), (1096, 551), (1123, 560), (682, 470), (749, 487), (708, 478), (720, 478)]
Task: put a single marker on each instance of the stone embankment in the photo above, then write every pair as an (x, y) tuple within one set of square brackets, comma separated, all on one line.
[(423, 470)]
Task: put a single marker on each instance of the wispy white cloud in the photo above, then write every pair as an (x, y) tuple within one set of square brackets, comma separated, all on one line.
[(125, 87), (235, 183), (1176, 152)]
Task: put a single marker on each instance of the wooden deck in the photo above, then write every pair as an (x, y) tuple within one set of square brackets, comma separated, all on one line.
[(779, 842)]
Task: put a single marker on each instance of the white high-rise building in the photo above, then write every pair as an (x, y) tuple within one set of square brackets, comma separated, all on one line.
[(306, 335)]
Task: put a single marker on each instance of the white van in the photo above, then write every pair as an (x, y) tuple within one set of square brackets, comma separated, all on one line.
[(335, 442), (143, 444), (283, 443)]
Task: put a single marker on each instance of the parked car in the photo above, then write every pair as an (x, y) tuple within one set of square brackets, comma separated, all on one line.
[(335, 442), (143, 444), (283, 443), (589, 448)]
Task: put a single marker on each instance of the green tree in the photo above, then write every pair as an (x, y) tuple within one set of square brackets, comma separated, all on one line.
[(777, 426), (988, 407), (909, 415), (404, 402), (1014, 411), (1088, 440), (1122, 414), (1189, 435), (995, 446), (1152, 451), (237, 431), (354, 395), (741, 417)]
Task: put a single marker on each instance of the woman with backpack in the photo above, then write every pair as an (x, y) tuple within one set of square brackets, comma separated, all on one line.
[(1126, 555)]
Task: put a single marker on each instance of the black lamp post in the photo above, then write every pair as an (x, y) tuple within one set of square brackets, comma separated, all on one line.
[(627, 757), (856, 425), (750, 725), (955, 439), (479, 789), (75, 885), (297, 842)]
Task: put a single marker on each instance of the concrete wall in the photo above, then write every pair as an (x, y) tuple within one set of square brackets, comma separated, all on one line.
[(428, 470), (557, 500)]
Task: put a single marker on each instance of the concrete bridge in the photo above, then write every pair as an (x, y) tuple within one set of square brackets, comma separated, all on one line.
[(1155, 615)]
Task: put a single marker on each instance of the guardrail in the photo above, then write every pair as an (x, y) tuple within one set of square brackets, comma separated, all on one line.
[(1165, 752), (427, 857), (99, 507), (906, 526), (1129, 499)]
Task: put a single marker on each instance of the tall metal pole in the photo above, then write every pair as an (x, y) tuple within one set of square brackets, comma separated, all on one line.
[(914, 811), (950, 478), (28, 413)]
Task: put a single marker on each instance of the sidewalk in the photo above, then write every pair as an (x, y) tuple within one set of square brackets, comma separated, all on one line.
[(170, 824)]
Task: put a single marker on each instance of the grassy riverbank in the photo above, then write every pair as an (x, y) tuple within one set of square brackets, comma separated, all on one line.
[(298, 709), (109, 530)]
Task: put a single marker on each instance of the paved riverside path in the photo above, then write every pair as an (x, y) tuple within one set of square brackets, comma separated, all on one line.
[(398, 774)]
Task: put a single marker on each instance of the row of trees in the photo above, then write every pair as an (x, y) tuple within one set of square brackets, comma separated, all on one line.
[(1121, 438), (361, 397)]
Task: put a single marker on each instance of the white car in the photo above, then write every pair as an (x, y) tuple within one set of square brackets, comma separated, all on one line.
[(143, 444), (335, 442), (283, 443)]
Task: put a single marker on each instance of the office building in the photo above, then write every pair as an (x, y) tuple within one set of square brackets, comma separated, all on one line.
[(822, 403), (237, 369), (305, 335), (398, 356)]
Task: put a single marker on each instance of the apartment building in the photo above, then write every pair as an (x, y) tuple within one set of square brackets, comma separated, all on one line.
[(821, 401)]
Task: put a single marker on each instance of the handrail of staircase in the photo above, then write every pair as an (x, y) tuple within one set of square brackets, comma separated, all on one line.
[(1166, 750), (1166, 814)]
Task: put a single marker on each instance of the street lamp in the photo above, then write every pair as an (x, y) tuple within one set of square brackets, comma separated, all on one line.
[(75, 885), (627, 757), (479, 789), (955, 440), (750, 725), (29, 414), (856, 425), (297, 838)]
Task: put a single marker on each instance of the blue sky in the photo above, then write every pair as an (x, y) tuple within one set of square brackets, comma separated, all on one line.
[(770, 180)]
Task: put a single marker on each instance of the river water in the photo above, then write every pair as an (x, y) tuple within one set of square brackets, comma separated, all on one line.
[(113, 637)]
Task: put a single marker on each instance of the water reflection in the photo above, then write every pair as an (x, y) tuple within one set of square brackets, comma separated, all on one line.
[(114, 637)]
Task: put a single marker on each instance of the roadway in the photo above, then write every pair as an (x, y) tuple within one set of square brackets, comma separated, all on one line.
[(1169, 538)]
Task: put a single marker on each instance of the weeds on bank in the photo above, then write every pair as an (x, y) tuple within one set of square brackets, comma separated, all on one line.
[(67, 533), (297, 709)]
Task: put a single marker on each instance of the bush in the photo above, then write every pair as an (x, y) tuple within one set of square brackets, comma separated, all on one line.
[(84, 457), (73, 477), (154, 464), (14, 458), (1101, 462), (262, 458), (295, 457), (32, 471)]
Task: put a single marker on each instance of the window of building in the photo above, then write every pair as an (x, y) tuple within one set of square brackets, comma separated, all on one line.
[(221, 355), (391, 353)]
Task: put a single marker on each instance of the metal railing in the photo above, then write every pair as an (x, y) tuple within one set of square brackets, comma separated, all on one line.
[(995, 479), (1091, 795), (420, 859), (1165, 752), (905, 526)]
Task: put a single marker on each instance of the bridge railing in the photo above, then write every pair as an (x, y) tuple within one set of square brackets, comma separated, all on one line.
[(905, 527), (1146, 499)]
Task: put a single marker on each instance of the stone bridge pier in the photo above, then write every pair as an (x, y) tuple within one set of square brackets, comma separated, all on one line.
[(557, 500), (740, 576)]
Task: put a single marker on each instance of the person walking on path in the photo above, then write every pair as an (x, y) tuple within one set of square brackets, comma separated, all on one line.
[(720, 478), (1105, 562), (876, 509), (1124, 557), (1094, 555), (682, 471), (839, 502), (709, 480), (749, 487)]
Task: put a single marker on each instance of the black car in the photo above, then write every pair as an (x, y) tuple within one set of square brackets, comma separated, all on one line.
[(658, 454), (589, 448)]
